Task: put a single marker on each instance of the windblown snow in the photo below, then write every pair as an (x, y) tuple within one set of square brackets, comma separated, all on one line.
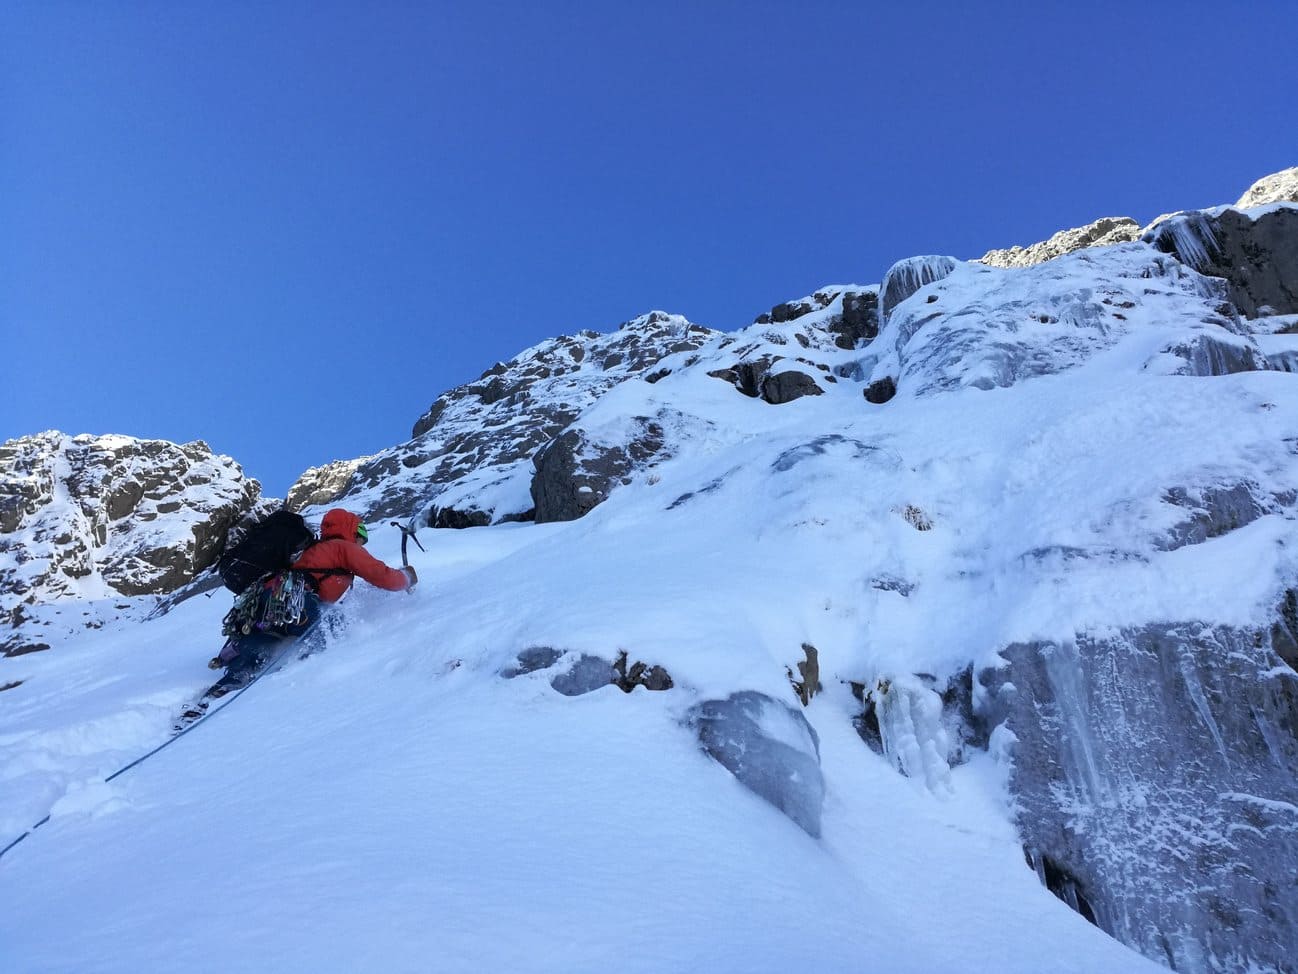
[(396, 803)]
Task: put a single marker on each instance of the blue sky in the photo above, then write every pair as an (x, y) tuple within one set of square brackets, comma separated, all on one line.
[(285, 228)]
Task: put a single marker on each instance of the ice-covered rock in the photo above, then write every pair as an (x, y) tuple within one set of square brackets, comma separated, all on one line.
[(770, 748), (1102, 233), (912, 733), (907, 276), (1154, 766), (93, 517), (986, 327), (1255, 251)]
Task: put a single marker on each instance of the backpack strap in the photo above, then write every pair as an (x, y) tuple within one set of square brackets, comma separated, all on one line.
[(312, 573)]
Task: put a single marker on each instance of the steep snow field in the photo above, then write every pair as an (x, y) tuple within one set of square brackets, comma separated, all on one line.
[(377, 806), (395, 803)]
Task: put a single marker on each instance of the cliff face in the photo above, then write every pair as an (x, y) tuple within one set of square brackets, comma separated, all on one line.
[(94, 517)]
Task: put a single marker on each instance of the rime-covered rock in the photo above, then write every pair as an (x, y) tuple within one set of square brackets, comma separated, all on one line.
[(1255, 251), (1280, 187), (1153, 767), (770, 748), (470, 459), (92, 517), (1102, 233)]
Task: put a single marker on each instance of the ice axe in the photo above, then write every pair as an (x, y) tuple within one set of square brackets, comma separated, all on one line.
[(407, 533)]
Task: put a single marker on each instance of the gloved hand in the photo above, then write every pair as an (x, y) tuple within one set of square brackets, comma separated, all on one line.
[(410, 574)]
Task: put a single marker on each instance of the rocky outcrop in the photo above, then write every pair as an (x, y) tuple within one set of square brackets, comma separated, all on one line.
[(770, 377), (770, 748), (470, 459), (851, 314), (1154, 777), (1102, 233), (583, 673), (321, 485), (1257, 254), (579, 469), (1280, 187), (103, 516)]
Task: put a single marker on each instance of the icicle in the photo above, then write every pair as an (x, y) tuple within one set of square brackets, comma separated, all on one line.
[(911, 730), (1189, 236)]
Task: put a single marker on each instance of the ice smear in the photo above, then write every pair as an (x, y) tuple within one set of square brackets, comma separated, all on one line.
[(914, 737)]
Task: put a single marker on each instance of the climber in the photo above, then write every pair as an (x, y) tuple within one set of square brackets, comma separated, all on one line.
[(287, 604)]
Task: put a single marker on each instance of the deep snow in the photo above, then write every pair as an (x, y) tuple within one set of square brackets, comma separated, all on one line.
[(394, 803), (379, 806)]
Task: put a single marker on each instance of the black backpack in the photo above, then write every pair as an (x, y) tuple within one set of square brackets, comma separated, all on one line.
[(271, 545)]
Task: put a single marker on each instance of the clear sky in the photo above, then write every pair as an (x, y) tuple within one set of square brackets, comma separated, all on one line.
[(285, 228)]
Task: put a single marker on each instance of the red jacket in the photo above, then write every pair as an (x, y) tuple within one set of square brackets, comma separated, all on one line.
[(338, 549)]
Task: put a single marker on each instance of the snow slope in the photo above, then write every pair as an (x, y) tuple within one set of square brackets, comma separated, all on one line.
[(379, 806), (395, 802)]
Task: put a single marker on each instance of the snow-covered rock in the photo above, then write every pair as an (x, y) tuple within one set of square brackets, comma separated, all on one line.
[(470, 459), (96, 517), (1280, 187), (1104, 232), (851, 313)]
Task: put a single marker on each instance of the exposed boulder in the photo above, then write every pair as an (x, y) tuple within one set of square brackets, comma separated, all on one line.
[(1102, 233), (1157, 768), (759, 377), (1256, 253), (881, 390), (789, 385), (770, 748), (578, 470), (583, 673)]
